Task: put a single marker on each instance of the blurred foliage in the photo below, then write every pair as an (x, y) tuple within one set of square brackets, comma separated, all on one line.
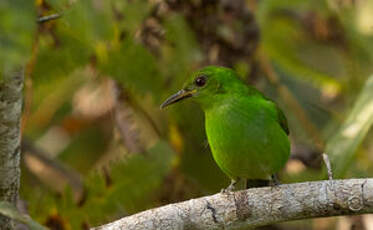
[(17, 25), (342, 146), (131, 187), (96, 75)]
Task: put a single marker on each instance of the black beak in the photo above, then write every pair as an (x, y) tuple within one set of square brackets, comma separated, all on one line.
[(182, 94)]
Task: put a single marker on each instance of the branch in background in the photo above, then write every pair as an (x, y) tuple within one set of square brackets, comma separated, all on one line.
[(10, 138), (136, 127), (51, 171), (123, 118), (257, 207)]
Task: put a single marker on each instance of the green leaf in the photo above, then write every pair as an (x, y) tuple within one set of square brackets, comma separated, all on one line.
[(342, 147), (8, 210), (135, 67), (45, 105), (90, 21), (134, 13), (180, 52), (82, 32), (59, 5), (71, 52)]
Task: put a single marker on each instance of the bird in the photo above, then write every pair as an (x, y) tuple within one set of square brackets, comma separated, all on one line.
[(247, 132)]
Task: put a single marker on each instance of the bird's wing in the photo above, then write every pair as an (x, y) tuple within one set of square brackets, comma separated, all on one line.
[(280, 115), (282, 120)]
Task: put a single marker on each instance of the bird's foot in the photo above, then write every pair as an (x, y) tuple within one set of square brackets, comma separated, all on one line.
[(274, 180), (230, 188)]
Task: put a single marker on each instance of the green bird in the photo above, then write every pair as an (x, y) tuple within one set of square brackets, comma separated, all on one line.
[(247, 132)]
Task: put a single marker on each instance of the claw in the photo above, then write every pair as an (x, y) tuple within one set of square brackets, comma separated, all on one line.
[(230, 188)]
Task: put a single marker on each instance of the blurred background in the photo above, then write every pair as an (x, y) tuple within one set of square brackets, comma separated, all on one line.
[(96, 146)]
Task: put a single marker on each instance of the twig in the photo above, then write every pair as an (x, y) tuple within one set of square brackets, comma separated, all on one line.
[(328, 167), (47, 18), (257, 207)]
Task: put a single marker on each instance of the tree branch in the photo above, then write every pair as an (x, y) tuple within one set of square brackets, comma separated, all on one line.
[(257, 207), (10, 115)]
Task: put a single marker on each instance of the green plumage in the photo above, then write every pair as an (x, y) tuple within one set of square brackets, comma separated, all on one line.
[(247, 132)]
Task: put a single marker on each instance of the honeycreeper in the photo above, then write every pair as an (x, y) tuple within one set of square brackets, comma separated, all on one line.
[(247, 132)]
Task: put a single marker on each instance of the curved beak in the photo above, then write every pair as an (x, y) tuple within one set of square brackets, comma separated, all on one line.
[(182, 94)]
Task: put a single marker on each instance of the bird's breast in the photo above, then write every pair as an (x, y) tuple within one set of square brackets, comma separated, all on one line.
[(245, 140)]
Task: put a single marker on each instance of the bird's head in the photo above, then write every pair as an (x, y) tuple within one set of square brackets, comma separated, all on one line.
[(206, 85)]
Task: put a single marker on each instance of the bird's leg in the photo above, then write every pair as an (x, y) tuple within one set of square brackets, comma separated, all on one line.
[(275, 181), (256, 183), (231, 186)]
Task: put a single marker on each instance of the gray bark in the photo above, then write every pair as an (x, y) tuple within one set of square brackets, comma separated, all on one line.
[(256, 207), (10, 115)]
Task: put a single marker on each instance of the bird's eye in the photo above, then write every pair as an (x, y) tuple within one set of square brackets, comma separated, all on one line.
[(200, 81)]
